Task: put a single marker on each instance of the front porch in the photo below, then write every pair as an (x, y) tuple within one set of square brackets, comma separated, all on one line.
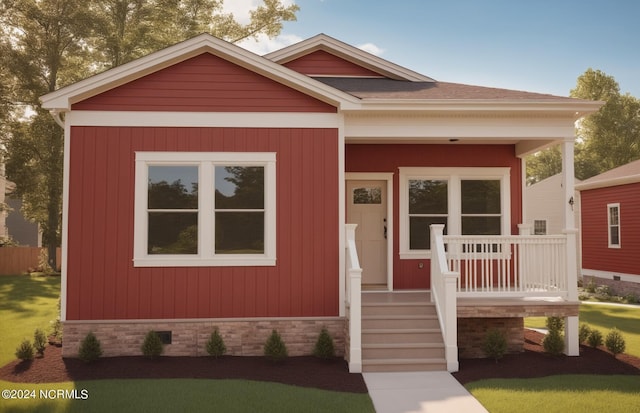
[(477, 283)]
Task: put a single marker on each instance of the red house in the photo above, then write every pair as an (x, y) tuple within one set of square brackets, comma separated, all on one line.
[(610, 229), (206, 186)]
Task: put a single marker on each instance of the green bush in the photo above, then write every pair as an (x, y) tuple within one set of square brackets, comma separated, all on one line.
[(591, 286), (583, 333), (215, 345), (595, 338), (555, 324), (275, 349), (152, 346), (25, 350), (615, 342), (604, 292), (495, 344), (39, 341), (553, 343), (90, 349), (631, 298), (324, 347)]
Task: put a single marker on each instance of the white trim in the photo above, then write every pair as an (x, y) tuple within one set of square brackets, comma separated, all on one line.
[(609, 226), (634, 278), (453, 176), (347, 52), (203, 119), (622, 180), (342, 214), (64, 254), (62, 99), (205, 256), (388, 177)]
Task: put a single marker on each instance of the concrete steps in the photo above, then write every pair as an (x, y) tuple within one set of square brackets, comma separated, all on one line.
[(401, 332)]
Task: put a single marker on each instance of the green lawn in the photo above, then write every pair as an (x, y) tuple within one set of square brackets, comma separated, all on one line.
[(26, 303), (171, 395), (562, 394), (604, 317)]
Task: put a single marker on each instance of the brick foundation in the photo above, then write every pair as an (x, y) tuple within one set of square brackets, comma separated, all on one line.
[(241, 337), (619, 287), (472, 333)]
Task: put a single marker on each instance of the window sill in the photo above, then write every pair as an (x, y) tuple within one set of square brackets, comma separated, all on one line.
[(415, 255), (236, 261)]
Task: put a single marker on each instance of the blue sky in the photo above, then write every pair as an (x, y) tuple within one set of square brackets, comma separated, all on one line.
[(534, 45)]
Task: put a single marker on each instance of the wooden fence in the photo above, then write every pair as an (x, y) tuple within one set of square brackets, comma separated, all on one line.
[(18, 260)]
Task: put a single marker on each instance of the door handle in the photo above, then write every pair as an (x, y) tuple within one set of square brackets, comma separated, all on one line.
[(385, 228)]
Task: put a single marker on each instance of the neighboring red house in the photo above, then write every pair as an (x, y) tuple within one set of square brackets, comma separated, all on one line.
[(610, 228), (208, 186)]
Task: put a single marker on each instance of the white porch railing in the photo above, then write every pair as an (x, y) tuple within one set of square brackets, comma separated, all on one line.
[(443, 294), (509, 266), (354, 300)]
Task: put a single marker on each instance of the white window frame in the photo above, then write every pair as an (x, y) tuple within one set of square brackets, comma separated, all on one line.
[(610, 226), (206, 161), (454, 178), (535, 221)]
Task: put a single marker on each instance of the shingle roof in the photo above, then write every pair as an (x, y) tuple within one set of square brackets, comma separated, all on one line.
[(381, 88), (625, 174)]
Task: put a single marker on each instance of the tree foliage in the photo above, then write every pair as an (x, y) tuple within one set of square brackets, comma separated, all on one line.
[(606, 139), (47, 44)]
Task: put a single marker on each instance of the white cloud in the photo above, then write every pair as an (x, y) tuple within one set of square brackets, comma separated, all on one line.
[(264, 45), (371, 48)]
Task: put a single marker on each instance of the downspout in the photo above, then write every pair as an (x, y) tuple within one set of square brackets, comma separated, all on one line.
[(55, 113)]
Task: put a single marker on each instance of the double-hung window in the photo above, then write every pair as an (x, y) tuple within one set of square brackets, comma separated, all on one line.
[(468, 201), (205, 209), (613, 220)]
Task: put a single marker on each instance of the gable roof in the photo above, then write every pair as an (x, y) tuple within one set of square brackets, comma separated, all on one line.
[(400, 90), (622, 175), (349, 53), (62, 99)]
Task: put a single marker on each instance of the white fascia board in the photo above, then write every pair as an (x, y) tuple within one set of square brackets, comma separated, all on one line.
[(623, 180), (574, 110), (348, 52), (62, 99)]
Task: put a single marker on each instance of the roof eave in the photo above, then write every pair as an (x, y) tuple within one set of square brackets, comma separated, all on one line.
[(623, 180), (62, 99), (347, 52)]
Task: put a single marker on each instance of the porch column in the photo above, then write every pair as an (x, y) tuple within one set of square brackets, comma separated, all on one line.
[(572, 346)]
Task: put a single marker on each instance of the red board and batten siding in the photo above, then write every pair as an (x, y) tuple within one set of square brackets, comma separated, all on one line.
[(596, 254), (205, 83), (101, 280), (388, 158), (326, 64)]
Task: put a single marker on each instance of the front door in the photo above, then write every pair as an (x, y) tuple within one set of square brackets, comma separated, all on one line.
[(367, 207)]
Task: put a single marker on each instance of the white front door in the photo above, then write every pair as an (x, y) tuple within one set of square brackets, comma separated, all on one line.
[(367, 207)]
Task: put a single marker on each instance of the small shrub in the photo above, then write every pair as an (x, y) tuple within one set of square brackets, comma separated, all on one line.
[(90, 349), (25, 350), (615, 342), (275, 349), (495, 344), (39, 341), (583, 333), (631, 298), (324, 347), (152, 346), (215, 345), (555, 324), (604, 292), (591, 286), (595, 338), (553, 343)]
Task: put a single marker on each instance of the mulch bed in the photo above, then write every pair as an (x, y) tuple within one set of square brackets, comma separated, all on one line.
[(307, 371)]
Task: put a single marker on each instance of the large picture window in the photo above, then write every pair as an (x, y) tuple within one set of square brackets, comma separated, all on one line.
[(468, 201), (204, 209)]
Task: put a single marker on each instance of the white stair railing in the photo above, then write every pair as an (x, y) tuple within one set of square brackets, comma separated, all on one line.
[(443, 294), (354, 300)]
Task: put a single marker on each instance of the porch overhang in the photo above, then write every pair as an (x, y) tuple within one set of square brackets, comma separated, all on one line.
[(517, 307)]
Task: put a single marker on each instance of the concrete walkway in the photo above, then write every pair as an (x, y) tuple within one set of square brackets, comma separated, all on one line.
[(419, 392)]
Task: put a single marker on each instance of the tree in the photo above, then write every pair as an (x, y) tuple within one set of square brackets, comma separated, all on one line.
[(41, 50), (606, 139), (611, 135), (46, 44)]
